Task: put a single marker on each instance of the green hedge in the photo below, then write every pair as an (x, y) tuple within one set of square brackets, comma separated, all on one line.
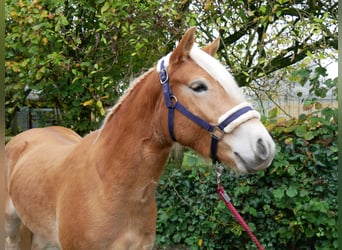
[(291, 205)]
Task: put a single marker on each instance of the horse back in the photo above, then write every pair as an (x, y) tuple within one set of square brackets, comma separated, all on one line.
[(39, 142)]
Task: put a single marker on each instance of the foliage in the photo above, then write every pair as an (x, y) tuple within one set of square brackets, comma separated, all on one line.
[(76, 55), (313, 77), (260, 37), (291, 205), (79, 56)]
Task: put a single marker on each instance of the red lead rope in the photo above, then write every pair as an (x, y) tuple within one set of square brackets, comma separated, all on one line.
[(225, 198)]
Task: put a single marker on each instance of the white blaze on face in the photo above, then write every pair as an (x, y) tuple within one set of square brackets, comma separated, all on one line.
[(216, 70), (221, 75)]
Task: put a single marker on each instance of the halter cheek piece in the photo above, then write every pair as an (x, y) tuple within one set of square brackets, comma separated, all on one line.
[(226, 123)]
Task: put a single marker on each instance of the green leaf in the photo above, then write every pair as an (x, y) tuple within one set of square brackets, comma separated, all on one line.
[(252, 211), (63, 20), (273, 113), (309, 135), (105, 7), (321, 71), (263, 9), (300, 131), (291, 170), (292, 191), (278, 193), (303, 193)]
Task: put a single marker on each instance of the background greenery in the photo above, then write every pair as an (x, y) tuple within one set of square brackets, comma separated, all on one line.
[(79, 56), (291, 205)]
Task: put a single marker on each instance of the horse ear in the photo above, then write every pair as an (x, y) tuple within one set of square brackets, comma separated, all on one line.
[(212, 48), (183, 49)]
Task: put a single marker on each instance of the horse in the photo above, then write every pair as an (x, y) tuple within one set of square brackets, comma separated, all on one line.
[(98, 191)]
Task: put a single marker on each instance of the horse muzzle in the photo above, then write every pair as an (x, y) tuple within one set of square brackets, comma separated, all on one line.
[(252, 147)]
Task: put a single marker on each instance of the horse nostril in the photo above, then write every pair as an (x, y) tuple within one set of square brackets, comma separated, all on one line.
[(262, 149)]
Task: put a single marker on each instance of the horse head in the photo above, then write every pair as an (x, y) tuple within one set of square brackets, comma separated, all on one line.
[(201, 85)]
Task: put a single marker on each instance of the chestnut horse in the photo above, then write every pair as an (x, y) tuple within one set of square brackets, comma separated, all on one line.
[(98, 192)]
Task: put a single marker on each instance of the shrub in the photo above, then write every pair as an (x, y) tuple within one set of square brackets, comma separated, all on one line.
[(291, 205)]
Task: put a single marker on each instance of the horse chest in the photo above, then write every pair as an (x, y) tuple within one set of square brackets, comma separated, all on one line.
[(133, 240), (126, 220), (130, 228), (136, 224)]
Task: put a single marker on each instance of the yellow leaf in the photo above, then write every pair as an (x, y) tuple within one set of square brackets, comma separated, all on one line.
[(200, 242), (105, 96), (45, 41), (44, 14), (281, 121), (105, 7), (288, 141), (207, 5), (279, 217), (102, 111), (99, 104), (89, 102), (318, 105), (13, 14)]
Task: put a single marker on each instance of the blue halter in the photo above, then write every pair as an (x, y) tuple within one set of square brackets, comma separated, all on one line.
[(216, 131)]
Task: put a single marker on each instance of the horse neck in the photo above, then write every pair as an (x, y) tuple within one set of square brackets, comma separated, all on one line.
[(132, 144)]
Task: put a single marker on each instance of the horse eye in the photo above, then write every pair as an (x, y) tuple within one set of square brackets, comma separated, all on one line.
[(199, 87)]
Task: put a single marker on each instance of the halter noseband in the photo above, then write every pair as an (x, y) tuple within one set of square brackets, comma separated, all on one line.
[(227, 122)]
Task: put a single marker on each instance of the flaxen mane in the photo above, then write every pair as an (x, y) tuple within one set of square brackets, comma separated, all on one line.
[(112, 111)]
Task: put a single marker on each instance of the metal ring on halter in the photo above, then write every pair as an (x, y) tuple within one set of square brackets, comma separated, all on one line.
[(163, 74), (174, 102)]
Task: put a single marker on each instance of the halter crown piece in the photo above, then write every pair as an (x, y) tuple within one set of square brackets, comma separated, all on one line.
[(226, 123)]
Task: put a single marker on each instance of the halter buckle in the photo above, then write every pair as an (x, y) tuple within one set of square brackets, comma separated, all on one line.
[(217, 133)]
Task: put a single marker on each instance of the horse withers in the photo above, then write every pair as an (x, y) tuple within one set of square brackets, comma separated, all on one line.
[(98, 192)]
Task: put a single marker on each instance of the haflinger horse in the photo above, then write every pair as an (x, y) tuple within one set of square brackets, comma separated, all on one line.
[(98, 192)]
